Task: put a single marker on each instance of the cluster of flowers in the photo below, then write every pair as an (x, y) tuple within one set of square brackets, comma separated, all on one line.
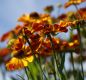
[(38, 33), (35, 30)]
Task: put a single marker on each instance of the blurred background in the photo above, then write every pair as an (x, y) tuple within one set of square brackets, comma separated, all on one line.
[(11, 10)]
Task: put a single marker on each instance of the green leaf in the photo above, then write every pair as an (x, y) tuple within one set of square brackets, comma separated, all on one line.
[(79, 76), (20, 77), (35, 71)]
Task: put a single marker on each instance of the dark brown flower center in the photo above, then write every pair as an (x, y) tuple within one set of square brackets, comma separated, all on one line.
[(20, 54), (34, 15)]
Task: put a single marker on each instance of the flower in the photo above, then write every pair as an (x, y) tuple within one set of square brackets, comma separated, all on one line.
[(6, 36), (35, 17), (82, 12), (36, 41), (45, 49), (75, 43), (61, 27), (37, 26), (47, 28), (18, 44), (75, 2), (63, 45), (49, 9), (11, 34), (20, 59), (62, 17), (4, 52)]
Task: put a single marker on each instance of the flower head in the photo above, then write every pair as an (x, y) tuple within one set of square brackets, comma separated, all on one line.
[(49, 9), (20, 59), (35, 17), (4, 52), (71, 2)]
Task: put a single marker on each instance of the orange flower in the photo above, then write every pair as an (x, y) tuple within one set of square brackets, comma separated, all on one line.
[(11, 34), (6, 36), (37, 26), (43, 27), (18, 44), (20, 59), (45, 49), (75, 42), (71, 2), (64, 45), (71, 44), (47, 28), (82, 12), (35, 17), (75, 39), (35, 41), (4, 52), (27, 31), (62, 17), (61, 27), (17, 29)]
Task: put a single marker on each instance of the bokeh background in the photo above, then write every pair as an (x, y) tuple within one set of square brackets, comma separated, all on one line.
[(11, 10)]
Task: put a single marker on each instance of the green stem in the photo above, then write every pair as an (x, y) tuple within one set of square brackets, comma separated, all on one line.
[(63, 59), (25, 69), (72, 64), (54, 55), (60, 73), (65, 73), (30, 73), (81, 46), (78, 11), (52, 45)]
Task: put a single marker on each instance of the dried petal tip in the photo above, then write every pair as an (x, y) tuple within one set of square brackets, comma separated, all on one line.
[(34, 15), (49, 9)]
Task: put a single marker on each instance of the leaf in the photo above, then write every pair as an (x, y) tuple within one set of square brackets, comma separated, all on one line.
[(12, 78), (20, 77), (79, 76), (61, 65), (35, 71)]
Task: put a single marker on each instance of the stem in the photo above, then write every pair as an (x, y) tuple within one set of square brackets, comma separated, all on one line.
[(41, 69), (72, 64), (26, 73), (64, 66), (52, 45), (78, 11), (60, 74), (34, 55), (81, 46), (30, 73), (54, 56), (65, 73)]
